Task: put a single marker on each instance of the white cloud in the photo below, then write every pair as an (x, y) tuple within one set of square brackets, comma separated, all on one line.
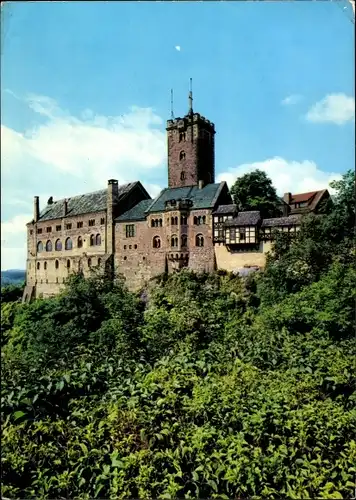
[(64, 155), (291, 99), (177, 47), (286, 176), (334, 108)]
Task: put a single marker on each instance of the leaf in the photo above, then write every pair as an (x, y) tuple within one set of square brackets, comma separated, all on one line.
[(18, 414)]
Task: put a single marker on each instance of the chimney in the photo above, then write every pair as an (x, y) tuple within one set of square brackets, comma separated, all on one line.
[(65, 208), (36, 208), (287, 198), (201, 184)]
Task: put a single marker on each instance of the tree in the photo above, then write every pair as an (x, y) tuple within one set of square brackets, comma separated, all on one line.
[(254, 191)]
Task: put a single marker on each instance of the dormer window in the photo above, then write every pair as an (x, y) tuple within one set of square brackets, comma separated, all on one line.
[(182, 155)]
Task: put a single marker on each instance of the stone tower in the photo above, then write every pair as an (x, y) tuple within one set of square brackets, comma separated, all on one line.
[(191, 150)]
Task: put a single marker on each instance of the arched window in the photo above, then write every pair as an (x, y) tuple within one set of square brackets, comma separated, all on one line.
[(182, 155), (38, 265), (80, 242), (174, 241), (152, 223), (160, 222), (156, 242), (172, 221), (92, 240), (89, 262), (203, 219), (58, 245), (183, 220), (39, 246), (68, 244), (176, 221), (56, 264), (68, 264), (45, 265), (184, 240), (49, 246), (99, 261), (195, 221), (98, 239), (199, 240), (182, 175), (182, 136)]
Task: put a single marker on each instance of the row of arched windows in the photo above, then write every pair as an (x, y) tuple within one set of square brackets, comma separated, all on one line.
[(199, 241), (68, 264), (200, 220), (156, 223), (68, 244)]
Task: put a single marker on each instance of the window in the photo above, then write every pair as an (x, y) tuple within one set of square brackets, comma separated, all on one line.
[(102, 221), (199, 240), (56, 265), (242, 234), (130, 230), (160, 222), (39, 246), (174, 241), (182, 136), (48, 229), (124, 247), (99, 261), (68, 244), (91, 222), (183, 220), (68, 264), (80, 242), (130, 246), (182, 155), (45, 266), (201, 219), (184, 240), (156, 242), (39, 231), (58, 228), (38, 265), (174, 221), (89, 262), (182, 175), (98, 239), (56, 280), (31, 232), (58, 245), (92, 240), (79, 225), (49, 246), (135, 247), (125, 257), (68, 226)]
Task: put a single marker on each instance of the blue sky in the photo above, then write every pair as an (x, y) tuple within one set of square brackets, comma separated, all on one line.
[(86, 93)]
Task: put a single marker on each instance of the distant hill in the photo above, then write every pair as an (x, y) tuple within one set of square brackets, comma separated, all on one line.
[(12, 277)]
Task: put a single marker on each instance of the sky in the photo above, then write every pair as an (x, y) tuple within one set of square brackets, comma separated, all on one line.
[(86, 91)]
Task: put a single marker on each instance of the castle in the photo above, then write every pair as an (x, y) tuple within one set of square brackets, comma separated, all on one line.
[(193, 223)]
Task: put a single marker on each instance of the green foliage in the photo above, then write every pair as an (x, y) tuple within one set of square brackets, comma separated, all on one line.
[(216, 387), (11, 293), (254, 191)]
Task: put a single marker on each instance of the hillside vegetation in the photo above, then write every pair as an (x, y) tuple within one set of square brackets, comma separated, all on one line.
[(203, 386)]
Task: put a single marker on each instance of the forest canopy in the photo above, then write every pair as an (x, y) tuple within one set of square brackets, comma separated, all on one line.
[(200, 386)]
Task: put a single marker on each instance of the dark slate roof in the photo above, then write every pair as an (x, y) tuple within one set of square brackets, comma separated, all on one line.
[(201, 198), (226, 209), (82, 204), (245, 219), (136, 213), (291, 220)]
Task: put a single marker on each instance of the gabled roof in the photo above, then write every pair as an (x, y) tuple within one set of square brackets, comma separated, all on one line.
[(136, 213), (312, 199), (225, 209), (82, 204), (302, 197), (291, 220), (251, 218), (201, 198)]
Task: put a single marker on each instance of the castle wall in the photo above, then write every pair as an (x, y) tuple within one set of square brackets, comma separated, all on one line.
[(232, 260), (47, 270)]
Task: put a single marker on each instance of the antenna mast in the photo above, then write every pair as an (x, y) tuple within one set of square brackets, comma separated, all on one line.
[(191, 96), (172, 114)]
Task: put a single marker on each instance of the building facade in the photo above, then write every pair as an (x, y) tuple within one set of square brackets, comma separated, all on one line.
[(193, 223)]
